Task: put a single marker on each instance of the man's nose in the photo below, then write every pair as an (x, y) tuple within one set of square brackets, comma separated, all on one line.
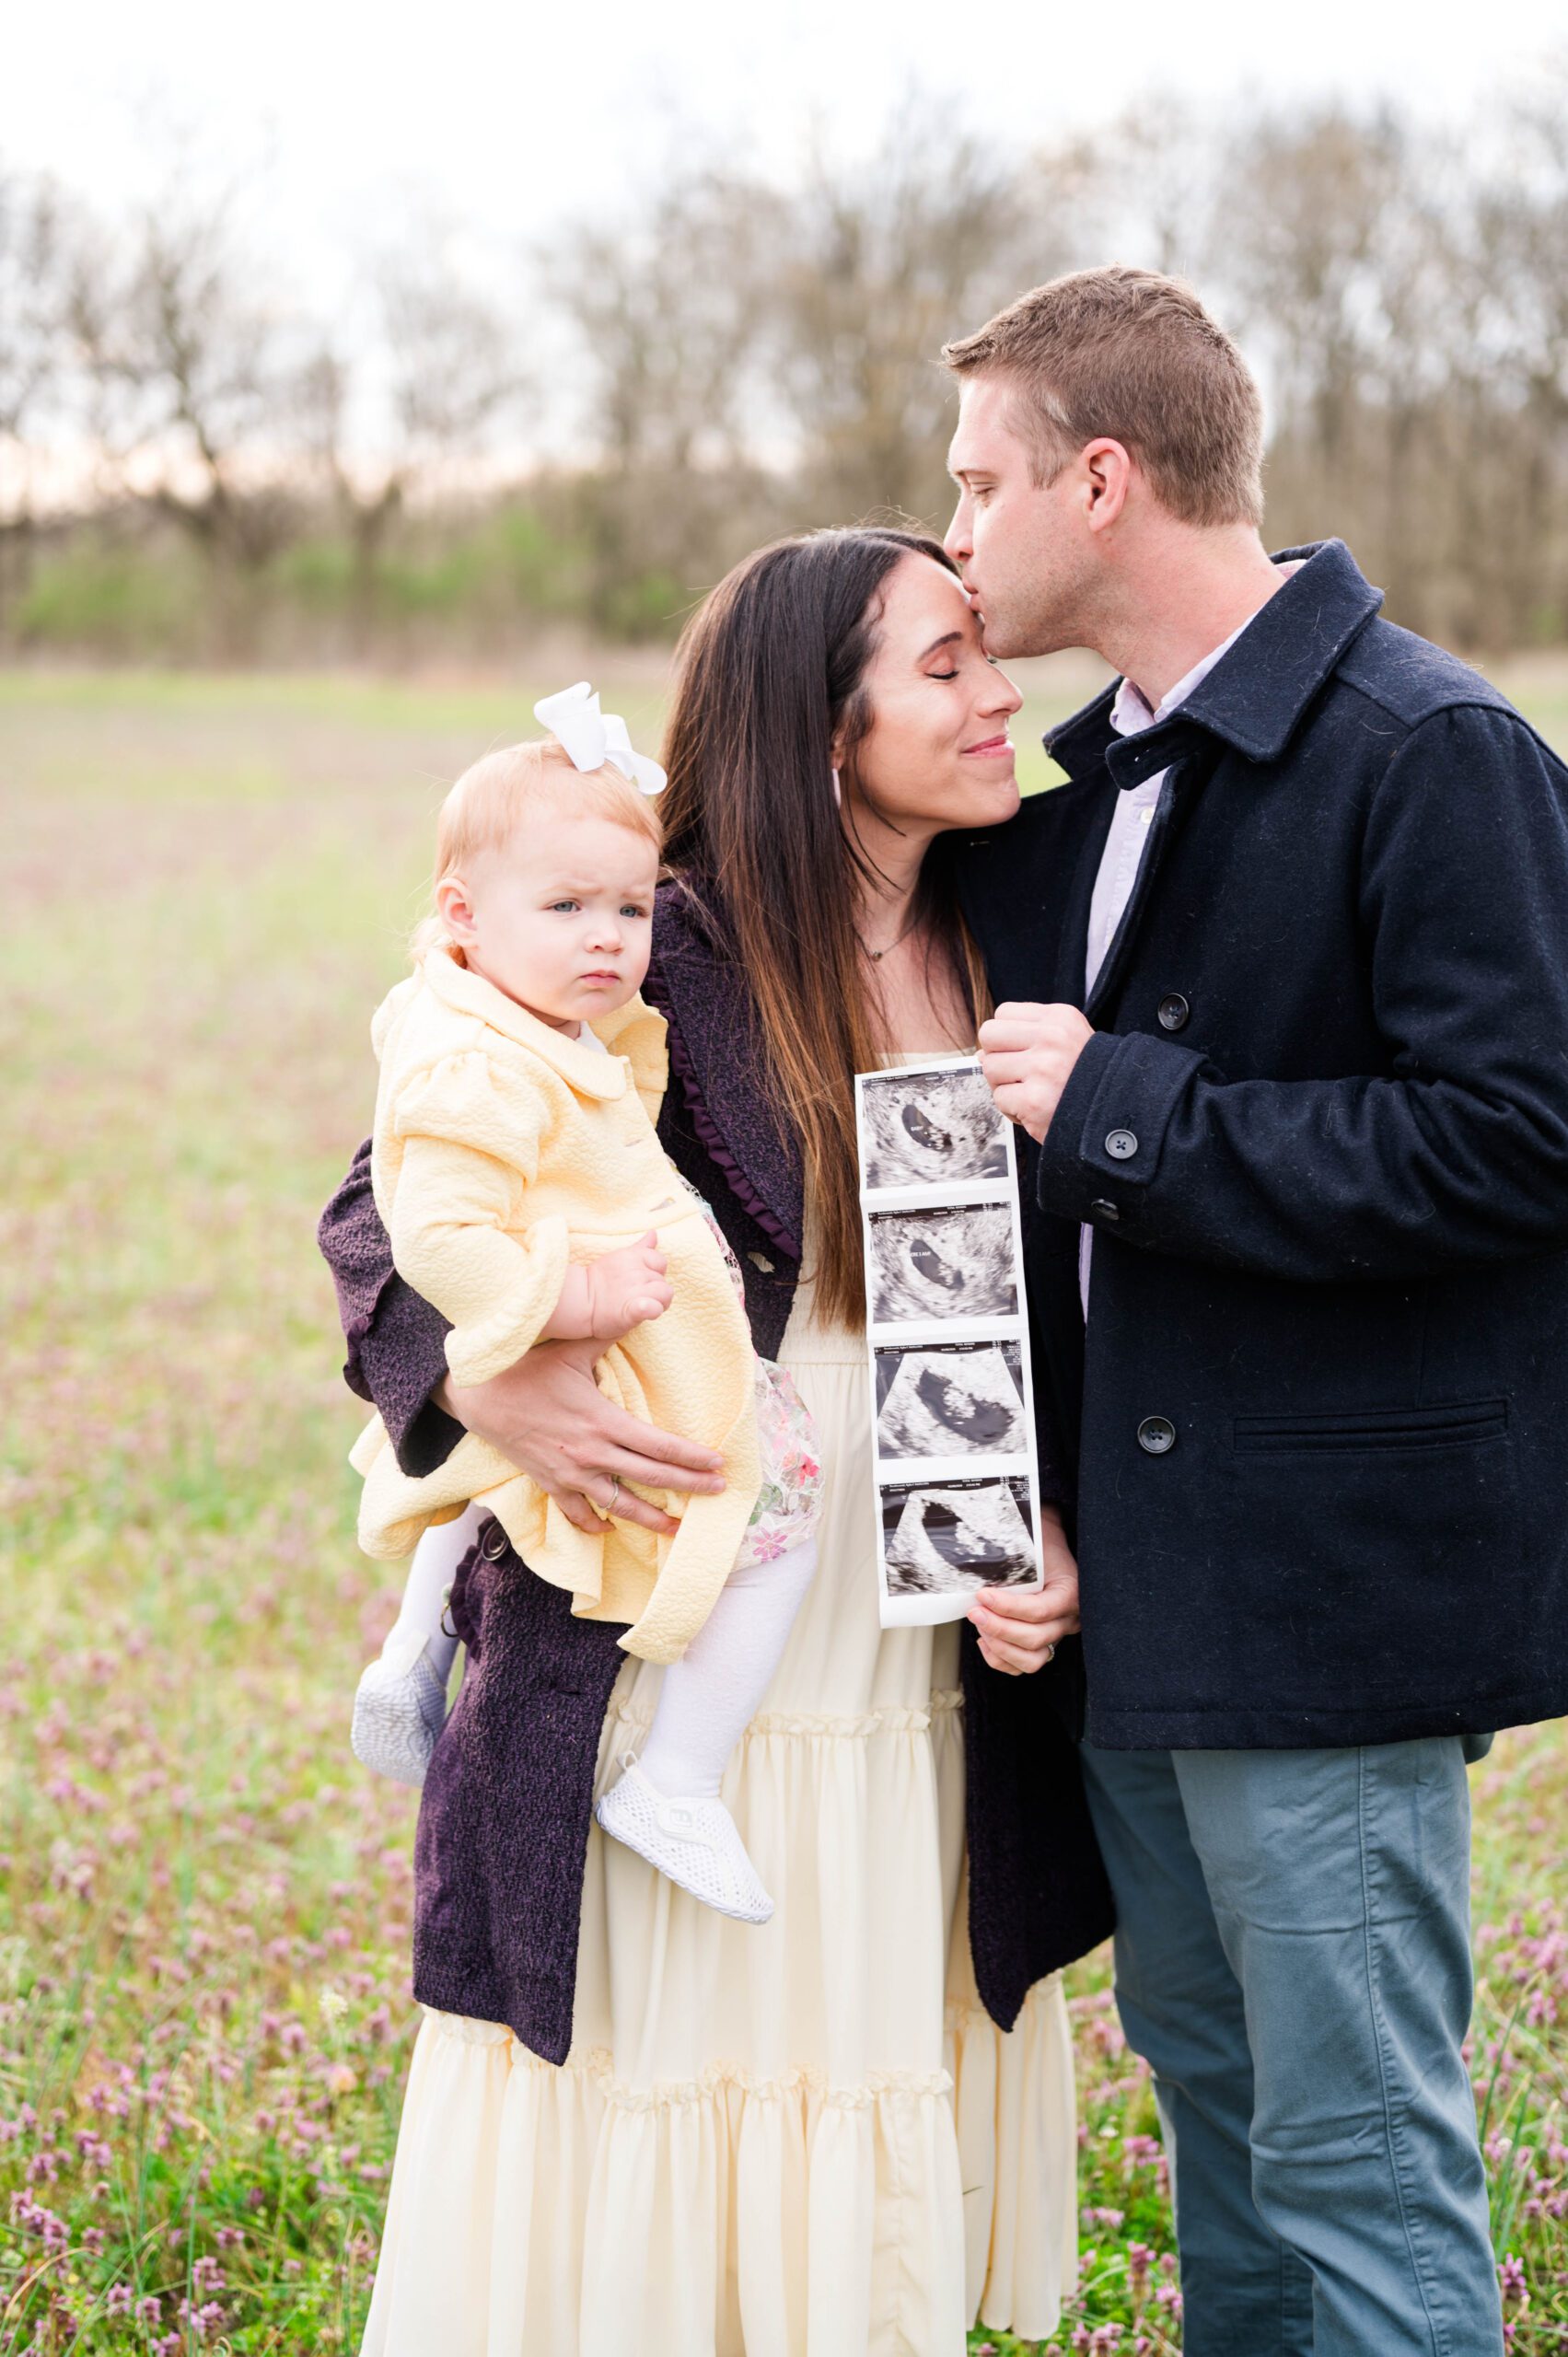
[(956, 539)]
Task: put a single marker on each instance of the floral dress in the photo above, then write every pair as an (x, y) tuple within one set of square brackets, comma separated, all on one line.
[(791, 1493)]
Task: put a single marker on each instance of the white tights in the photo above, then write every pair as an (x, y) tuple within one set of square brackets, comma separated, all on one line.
[(710, 1695), (435, 1566)]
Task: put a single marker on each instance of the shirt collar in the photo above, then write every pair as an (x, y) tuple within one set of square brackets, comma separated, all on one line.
[(1253, 690), (1130, 713)]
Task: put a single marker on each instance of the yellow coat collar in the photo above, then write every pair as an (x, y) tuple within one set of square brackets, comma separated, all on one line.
[(635, 1034)]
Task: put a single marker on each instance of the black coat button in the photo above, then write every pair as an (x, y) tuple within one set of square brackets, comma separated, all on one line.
[(1103, 1210), (1121, 1145), (1173, 1011), (1157, 1435)]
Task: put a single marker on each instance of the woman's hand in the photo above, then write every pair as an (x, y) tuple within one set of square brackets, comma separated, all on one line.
[(549, 1417), (1020, 1629)]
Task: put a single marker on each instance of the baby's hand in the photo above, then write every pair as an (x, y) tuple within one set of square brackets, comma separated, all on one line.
[(603, 1299), (627, 1288)]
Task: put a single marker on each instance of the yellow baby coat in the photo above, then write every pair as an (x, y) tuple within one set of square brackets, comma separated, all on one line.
[(502, 1151)]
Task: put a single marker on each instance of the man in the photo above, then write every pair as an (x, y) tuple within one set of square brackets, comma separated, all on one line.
[(1283, 974)]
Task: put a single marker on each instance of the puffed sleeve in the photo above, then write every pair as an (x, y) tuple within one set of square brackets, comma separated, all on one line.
[(469, 1137), (397, 1341)]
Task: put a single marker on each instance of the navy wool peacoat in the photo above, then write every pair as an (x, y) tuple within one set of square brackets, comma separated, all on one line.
[(1320, 1409)]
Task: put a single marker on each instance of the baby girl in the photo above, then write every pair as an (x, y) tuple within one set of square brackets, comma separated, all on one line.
[(517, 1167)]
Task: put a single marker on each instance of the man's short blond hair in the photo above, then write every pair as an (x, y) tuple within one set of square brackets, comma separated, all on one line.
[(1131, 356)]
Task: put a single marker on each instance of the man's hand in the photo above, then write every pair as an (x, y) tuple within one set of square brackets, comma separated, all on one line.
[(1020, 1629), (549, 1417), (1028, 1054)]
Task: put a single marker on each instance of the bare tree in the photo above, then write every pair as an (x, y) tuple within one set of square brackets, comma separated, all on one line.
[(1521, 249), (35, 262), (1401, 286), (667, 311), (667, 305), (443, 365), (189, 354), (1148, 186), (732, 357), (884, 262), (1337, 265)]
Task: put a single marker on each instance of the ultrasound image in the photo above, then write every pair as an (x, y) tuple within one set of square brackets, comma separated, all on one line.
[(931, 1128), (948, 1263), (953, 1399), (941, 1537)]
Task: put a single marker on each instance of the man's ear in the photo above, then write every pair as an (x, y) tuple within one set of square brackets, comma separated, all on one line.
[(455, 909), (1105, 474)]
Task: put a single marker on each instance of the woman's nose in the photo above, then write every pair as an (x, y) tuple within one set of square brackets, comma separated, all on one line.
[(1001, 695)]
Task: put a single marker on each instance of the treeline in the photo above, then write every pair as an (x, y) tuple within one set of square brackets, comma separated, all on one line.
[(192, 464)]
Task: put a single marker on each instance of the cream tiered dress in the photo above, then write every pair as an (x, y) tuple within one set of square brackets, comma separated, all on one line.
[(801, 2140)]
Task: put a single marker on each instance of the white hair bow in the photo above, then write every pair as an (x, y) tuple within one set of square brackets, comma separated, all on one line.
[(592, 737)]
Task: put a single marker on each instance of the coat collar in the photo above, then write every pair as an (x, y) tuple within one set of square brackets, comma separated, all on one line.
[(633, 1034), (1256, 695)]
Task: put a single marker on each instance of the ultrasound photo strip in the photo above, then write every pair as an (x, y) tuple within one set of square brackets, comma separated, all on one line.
[(949, 1537), (953, 1438), (942, 1261), (932, 1126), (948, 1400)]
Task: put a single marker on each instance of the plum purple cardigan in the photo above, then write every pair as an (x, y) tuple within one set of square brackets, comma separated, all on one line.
[(503, 1828)]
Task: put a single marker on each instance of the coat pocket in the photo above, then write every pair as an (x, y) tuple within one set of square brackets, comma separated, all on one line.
[(1372, 1549), (1358, 1431)]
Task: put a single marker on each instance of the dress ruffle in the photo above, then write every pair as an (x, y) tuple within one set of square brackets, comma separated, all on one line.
[(778, 2217), (893, 1719)]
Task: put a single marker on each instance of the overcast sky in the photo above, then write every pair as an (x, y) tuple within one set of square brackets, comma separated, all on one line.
[(502, 115)]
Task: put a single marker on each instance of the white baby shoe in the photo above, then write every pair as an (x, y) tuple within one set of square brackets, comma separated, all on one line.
[(399, 1711), (696, 1843)]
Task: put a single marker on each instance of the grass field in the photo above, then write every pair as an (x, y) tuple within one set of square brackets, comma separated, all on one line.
[(204, 1903)]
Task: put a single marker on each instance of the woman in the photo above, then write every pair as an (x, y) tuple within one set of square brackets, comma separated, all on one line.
[(653, 2133)]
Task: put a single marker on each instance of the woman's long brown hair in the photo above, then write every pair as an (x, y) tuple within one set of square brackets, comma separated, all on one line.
[(770, 670)]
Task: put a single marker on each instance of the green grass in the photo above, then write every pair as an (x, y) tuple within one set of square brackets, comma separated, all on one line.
[(204, 1904)]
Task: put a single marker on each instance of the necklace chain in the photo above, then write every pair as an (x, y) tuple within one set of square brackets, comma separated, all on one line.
[(875, 956)]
